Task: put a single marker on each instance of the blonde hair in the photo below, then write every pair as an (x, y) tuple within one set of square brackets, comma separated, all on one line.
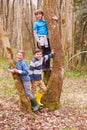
[(21, 51)]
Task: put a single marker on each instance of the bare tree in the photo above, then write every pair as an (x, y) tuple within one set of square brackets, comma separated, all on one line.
[(39, 4)]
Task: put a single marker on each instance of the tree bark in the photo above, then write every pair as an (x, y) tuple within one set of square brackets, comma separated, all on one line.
[(24, 101), (39, 4), (51, 98), (4, 41)]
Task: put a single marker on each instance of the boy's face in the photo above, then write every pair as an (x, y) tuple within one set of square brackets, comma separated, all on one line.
[(38, 55), (39, 16), (19, 56)]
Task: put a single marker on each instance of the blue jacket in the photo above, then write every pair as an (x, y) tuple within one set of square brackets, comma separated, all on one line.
[(35, 69), (23, 70)]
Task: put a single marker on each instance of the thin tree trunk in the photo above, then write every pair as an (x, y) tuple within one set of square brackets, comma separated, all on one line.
[(39, 4), (31, 27)]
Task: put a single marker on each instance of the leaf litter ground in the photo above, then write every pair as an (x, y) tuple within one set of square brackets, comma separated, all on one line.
[(71, 116)]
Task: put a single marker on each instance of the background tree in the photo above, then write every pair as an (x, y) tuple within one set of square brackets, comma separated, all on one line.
[(39, 4), (81, 29), (17, 18)]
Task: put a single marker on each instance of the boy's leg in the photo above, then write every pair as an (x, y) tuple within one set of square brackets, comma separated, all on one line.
[(34, 104), (47, 63), (35, 88), (38, 86), (26, 85), (46, 51), (41, 90), (42, 86)]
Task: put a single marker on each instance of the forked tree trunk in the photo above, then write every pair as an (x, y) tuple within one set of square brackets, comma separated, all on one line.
[(51, 98), (24, 101)]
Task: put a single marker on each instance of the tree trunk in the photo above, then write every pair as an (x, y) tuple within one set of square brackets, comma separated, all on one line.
[(39, 4), (51, 98), (24, 101), (46, 76), (3, 37)]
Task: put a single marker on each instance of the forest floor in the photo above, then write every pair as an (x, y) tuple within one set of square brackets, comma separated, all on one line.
[(71, 116)]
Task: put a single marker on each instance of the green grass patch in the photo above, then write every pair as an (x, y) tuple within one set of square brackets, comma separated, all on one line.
[(7, 87), (3, 63), (75, 74)]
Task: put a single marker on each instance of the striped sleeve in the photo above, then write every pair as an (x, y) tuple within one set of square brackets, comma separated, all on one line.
[(31, 70), (46, 57)]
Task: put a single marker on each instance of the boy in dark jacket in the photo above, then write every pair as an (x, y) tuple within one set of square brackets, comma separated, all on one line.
[(35, 71)]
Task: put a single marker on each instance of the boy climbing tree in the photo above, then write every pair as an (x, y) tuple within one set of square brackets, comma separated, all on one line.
[(22, 70), (41, 35), (35, 72)]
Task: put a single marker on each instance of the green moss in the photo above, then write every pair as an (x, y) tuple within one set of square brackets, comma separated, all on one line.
[(53, 106)]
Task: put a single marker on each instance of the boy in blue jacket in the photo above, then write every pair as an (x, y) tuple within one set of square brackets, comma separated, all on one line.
[(23, 71)]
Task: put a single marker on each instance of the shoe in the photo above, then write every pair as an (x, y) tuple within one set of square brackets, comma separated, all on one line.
[(34, 104), (38, 99)]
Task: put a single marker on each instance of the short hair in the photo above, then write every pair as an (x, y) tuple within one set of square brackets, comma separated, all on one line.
[(37, 51), (38, 11), (21, 51)]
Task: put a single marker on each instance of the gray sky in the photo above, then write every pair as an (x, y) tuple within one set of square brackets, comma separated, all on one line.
[(34, 1)]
